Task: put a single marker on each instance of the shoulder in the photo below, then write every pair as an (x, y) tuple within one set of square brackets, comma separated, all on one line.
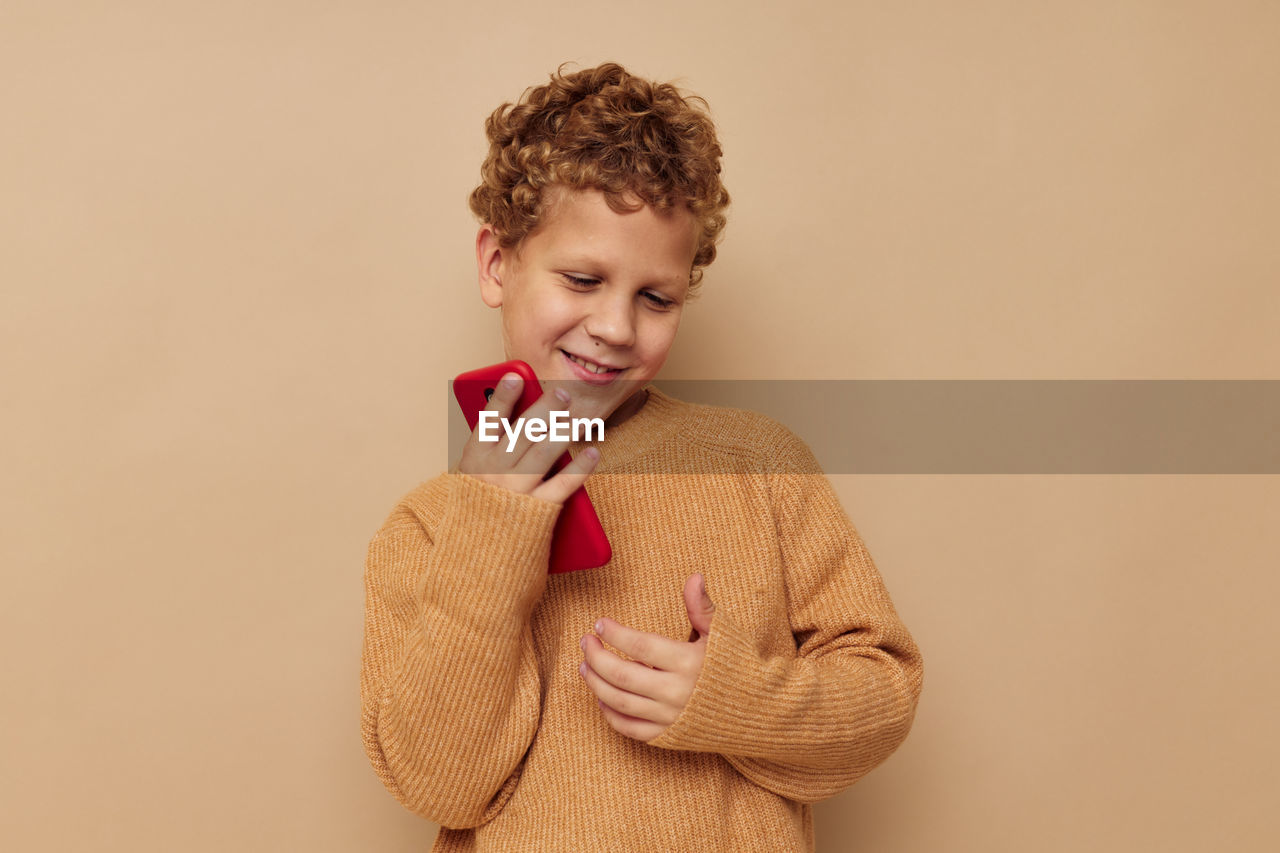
[(421, 509), (756, 442)]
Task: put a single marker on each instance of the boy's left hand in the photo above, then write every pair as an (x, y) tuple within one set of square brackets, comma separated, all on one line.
[(642, 696)]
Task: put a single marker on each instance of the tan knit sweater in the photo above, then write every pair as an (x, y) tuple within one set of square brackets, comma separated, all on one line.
[(474, 714)]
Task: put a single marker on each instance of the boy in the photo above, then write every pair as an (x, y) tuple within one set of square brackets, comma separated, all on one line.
[(525, 711)]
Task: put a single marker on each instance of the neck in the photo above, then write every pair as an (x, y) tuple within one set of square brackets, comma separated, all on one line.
[(629, 407)]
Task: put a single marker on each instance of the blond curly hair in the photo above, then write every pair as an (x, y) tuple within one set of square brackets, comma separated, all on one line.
[(603, 128)]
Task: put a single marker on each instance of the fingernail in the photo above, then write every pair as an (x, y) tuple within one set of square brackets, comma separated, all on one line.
[(582, 669), (599, 626), (583, 643), (510, 380), (562, 395), (592, 454)]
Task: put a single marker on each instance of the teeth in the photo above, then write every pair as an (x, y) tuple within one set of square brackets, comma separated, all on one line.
[(594, 368)]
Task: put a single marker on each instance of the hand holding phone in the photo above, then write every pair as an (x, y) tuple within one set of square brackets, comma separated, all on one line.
[(538, 468)]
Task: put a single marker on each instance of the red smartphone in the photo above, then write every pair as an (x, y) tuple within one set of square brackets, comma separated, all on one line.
[(578, 541)]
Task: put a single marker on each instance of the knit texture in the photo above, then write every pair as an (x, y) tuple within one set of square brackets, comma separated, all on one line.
[(474, 714)]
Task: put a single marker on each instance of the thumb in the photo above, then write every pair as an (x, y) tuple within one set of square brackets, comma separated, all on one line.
[(699, 605)]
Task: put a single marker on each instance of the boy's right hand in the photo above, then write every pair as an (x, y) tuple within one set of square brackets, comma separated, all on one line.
[(522, 468)]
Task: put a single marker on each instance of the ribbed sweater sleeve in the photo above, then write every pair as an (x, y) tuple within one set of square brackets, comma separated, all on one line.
[(807, 721), (449, 679)]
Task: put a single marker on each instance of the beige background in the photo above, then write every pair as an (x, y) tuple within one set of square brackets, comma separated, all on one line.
[(237, 271)]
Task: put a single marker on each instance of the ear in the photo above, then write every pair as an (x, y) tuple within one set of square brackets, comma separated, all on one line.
[(491, 262)]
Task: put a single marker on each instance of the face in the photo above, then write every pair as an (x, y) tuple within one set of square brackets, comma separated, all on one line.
[(593, 298)]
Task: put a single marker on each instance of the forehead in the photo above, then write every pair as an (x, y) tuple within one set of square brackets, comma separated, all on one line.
[(581, 224)]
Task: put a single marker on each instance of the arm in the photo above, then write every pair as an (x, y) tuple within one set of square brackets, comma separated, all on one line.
[(808, 725), (449, 683)]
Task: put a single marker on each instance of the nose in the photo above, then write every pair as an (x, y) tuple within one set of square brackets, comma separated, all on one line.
[(612, 320)]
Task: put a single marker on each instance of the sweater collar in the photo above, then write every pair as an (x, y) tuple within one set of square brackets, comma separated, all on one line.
[(660, 417)]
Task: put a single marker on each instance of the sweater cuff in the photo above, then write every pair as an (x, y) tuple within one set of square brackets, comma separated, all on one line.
[(727, 711), (488, 565)]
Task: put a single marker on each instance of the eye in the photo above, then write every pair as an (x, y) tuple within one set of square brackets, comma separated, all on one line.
[(657, 300), (579, 281)]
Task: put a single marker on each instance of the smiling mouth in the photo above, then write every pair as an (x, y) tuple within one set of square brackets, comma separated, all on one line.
[(590, 365)]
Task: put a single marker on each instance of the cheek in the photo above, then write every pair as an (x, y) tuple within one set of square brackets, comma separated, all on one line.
[(533, 322), (552, 318), (659, 338)]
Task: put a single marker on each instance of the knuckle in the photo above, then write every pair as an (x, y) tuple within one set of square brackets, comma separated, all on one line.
[(642, 648), (668, 696), (623, 679), (687, 666), (625, 703)]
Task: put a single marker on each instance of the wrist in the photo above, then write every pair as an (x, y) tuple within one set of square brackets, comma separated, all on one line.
[(490, 554)]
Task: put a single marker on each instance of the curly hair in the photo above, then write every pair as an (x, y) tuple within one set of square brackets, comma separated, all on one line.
[(603, 128)]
